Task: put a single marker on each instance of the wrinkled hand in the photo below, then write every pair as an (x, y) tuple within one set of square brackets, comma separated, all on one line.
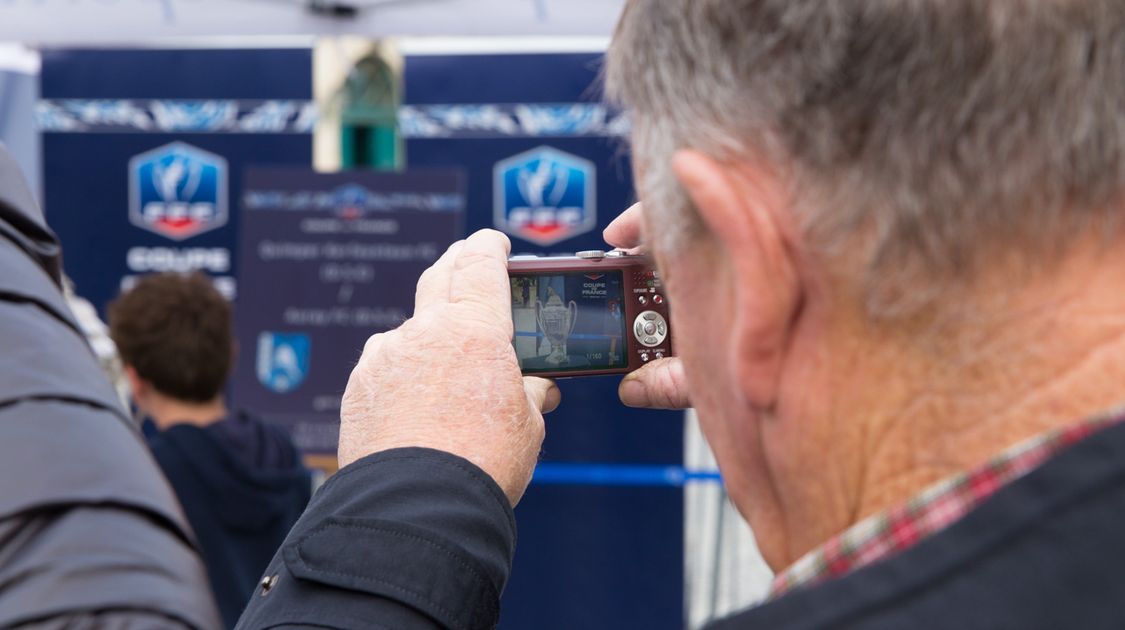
[(448, 378), (661, 383)]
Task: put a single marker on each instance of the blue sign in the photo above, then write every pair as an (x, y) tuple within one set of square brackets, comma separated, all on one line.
[(545, 195), (326, 260), (283, 360), (178, 191)]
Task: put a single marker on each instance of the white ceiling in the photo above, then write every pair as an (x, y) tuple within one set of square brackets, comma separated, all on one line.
[(55, 22)]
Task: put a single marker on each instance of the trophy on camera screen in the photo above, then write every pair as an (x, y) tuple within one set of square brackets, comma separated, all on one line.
[(556, 320)]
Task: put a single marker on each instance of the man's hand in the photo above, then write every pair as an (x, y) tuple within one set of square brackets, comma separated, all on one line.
[(661, 383), (448, 378)]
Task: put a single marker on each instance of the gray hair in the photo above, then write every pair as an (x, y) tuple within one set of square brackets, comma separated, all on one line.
[(931, 136)]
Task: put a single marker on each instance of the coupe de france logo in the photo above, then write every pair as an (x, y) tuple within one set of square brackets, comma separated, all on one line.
[(283, 360), (544, 195), (178, 191)]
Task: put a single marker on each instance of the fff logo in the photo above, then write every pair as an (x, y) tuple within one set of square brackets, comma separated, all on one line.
[(545, 195), (178, 191)]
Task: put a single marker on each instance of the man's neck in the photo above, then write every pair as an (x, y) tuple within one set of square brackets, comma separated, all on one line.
[(1050, 357), (1054, 356), (166, 412)]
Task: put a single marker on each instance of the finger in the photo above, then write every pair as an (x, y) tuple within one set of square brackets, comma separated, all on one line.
[(543, 394), (374, 343), (369, 357), (480, 275), (433, 285), (657, 385), (627, 230)]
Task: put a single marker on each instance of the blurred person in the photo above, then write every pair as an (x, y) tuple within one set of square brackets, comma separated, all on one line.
[(91, 535), (240, 480)]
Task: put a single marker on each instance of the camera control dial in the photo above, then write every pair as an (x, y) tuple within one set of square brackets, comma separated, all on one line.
[(650, 328)]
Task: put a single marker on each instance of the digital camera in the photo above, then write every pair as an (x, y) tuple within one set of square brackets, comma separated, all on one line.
[(589, 314)]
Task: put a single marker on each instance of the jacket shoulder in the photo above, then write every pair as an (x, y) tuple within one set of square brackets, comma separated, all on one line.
[(1044, 552)]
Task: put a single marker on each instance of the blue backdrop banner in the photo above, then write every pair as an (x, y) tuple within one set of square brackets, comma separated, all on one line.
[(136, 179), (327, 260)]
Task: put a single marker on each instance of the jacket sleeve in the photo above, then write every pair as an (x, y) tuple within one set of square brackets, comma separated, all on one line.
[(407, 538), (90, 533)]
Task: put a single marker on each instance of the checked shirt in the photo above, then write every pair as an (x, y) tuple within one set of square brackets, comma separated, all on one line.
[(936, 508)]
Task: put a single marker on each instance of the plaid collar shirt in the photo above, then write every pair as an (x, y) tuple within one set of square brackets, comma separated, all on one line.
[(936, 508)]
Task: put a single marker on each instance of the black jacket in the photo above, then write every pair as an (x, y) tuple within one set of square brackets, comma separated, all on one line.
[(89, 529), (408, 538), (242, 486)]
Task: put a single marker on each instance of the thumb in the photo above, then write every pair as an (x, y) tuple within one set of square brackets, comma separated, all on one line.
[(657, 385), (543, 394)]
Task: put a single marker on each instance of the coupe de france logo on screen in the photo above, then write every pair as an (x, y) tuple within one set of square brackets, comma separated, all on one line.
[(178, 191), (545, 195)]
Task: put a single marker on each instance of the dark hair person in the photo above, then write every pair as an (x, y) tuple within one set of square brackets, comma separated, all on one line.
[(175, 332), (240, 480)]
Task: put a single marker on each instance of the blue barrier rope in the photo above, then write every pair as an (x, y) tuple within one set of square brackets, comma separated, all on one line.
[(551, 473)]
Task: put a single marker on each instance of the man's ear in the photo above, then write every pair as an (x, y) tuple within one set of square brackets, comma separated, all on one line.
[(746, 210)]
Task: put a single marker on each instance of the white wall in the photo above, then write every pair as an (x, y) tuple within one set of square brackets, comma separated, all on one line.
[(723, 569), (19, 91)]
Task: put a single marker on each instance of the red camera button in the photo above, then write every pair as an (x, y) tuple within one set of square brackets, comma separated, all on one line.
[(658, 299)]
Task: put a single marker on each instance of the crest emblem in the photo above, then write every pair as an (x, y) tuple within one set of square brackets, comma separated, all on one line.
[(350, 201), (178, 191), (282, 360), (544, 195)]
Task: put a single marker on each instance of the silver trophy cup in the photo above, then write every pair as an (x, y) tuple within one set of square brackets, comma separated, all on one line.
[(556, 320)]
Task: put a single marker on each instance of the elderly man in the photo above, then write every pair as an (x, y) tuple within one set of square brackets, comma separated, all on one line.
[(890, 231)]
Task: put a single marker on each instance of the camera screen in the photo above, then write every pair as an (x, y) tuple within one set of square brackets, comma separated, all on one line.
[(569, 321)]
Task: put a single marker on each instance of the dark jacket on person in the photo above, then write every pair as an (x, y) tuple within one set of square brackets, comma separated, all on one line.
[(242, 486), (90, 532)]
